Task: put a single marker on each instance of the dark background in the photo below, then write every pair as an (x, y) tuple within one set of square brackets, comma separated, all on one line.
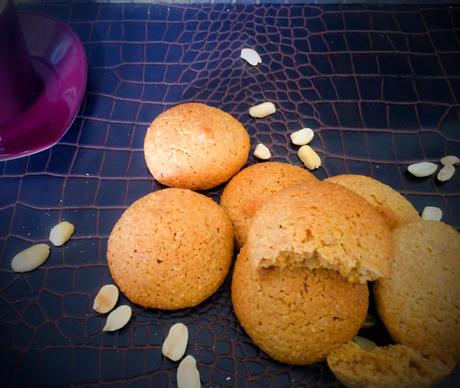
[(379, 84)]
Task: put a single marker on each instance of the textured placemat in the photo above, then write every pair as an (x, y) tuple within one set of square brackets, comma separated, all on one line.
[(418, 2), (380, 85)]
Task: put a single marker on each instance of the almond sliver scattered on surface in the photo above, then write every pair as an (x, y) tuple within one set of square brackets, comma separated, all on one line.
[(262, 152), (61, 233), (118, 318), (251, 56), (106, 299), (432, 213), (262, 110), (188, 375), (364, 343), (309, 157), (450, 160), (30, 258), (302, 137), (175, 344), (446, 173), (422, 169)]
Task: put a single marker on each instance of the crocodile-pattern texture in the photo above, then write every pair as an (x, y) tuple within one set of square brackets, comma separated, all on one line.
[(380, 85)]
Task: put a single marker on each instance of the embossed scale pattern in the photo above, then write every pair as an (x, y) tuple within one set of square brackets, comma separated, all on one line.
[(380, 85)]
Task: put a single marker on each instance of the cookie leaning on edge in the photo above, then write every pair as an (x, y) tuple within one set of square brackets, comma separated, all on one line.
[(385, 367), (170, 249), (395, 209), (419, 302), (321, 225), (295, 315), (249, 189), (195, 146)]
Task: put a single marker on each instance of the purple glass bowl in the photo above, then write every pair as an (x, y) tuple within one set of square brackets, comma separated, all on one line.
[(59, 59)]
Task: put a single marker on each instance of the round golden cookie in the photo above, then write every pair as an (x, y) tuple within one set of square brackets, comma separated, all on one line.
[(385, 367), (249, 189), (321, 225), (170, 249), (419, 302), (396, 209), (295, 315), (195, 146)]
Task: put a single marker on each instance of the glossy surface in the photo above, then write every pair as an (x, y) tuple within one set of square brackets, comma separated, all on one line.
[(59, 59), (379, 85), (19, 84)]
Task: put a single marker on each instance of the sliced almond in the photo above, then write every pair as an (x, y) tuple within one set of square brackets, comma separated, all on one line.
[(188, 375), (251, 56), (118, 318), (450, 160), (432, 213), (175, 343), (30, 258), (422, 169), (446, 173), (262, 152), (309, 157), (262, 110), (106, 299), (302, 137), (61, 233), (364, 343), (370, 321)]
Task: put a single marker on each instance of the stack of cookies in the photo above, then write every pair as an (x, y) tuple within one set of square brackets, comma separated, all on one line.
[(173, 248), (309, 249)]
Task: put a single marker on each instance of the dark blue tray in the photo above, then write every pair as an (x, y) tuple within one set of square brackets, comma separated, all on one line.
[(379, 84)]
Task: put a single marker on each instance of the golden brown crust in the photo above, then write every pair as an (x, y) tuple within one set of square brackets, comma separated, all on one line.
[(296, 316), (420, 301), (249, 189), (195, 146), (170, 249), (385, 367), (321, 225), (395, 209)]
